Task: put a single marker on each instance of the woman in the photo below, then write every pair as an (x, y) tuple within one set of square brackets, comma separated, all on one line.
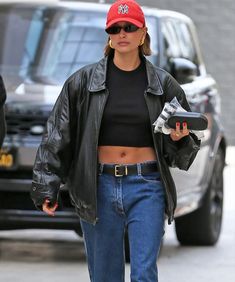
[(2, 118), (100, 142)]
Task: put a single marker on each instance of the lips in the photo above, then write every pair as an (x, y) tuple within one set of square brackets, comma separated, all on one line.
[(123, 43)]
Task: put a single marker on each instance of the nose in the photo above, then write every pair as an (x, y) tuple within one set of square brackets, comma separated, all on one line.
[(122, 33)]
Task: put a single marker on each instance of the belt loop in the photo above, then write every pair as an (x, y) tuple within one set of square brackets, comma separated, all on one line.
[(138, 168)]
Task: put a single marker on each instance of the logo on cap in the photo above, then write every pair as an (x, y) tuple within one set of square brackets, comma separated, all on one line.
[(123, 9)]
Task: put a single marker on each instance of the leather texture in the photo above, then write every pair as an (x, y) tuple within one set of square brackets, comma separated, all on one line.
[(124, 170), (68, 151)]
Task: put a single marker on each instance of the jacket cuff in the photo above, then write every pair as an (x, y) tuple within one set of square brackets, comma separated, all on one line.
[(39, 193), (189, 146)]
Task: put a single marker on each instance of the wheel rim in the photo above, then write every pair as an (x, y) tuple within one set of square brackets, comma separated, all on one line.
[(216, 209)]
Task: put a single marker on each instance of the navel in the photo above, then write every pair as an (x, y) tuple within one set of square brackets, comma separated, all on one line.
[(123, 154)]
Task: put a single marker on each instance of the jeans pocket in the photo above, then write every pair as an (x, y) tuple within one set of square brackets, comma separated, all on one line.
[(153, 177)]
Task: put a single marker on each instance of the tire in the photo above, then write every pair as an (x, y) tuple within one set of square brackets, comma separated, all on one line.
[(203, 226)]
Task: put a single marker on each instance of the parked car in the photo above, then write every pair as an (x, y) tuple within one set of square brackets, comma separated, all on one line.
[(41, 45)]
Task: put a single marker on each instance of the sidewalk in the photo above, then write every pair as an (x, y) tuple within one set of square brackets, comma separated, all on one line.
[(207, 263)]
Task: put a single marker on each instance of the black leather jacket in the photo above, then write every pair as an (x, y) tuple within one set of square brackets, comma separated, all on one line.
[(2, 118), (68, 152)]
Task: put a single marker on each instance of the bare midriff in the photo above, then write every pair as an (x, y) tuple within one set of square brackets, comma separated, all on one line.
[(125, 155)]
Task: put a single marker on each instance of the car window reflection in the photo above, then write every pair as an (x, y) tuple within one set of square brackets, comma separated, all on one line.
[(51, 43)]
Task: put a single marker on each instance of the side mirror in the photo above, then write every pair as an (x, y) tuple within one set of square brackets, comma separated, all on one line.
[(183, 70)]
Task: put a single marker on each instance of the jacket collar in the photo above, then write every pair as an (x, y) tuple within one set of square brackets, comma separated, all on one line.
[(154, 85), (98, 78)]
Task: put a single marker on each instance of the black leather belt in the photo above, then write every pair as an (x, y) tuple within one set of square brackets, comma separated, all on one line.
[(123, 170)]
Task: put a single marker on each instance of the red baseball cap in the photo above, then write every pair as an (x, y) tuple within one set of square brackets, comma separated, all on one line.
[(125, 10)]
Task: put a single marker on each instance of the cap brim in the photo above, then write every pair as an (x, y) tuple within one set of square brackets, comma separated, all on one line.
[(129, 20)]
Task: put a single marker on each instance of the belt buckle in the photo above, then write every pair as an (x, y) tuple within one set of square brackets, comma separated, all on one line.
[(117, 174)]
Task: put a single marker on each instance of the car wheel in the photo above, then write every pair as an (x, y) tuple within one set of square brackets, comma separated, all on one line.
[(203, 226)]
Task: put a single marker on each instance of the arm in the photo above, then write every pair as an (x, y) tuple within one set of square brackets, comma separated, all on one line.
[(180, 147), (54, 155), (2, 116)]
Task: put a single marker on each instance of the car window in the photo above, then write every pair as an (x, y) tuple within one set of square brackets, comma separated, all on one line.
[(186, 43), (171, 42), (47, 44), (178, 41), (50, 44)]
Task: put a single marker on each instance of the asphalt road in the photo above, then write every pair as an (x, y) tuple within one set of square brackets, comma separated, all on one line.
[(56, 256)]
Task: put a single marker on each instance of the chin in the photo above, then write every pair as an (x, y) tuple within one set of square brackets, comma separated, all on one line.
[(126, 50)]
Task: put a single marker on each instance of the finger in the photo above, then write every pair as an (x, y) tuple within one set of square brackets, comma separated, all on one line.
[(177, 126), (177, 129), (185, 128), (49, 212), (173, 132), (47, 209), (45, 205), (49, 205), (53, 208)]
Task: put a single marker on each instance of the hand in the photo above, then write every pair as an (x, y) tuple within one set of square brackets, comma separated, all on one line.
[(176, 134), (47, 208)]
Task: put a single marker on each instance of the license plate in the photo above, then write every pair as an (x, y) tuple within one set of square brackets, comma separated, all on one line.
[(8, 158)]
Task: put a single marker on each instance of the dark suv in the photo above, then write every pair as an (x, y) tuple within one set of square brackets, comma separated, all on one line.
[(41, 45)]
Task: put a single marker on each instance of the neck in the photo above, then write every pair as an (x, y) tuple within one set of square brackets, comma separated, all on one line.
[(126, 62)]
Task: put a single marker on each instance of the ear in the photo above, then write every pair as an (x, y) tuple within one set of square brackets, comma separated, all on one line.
[(145, 30)]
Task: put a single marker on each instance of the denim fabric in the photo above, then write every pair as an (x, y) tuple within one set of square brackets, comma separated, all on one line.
[(137, 203)]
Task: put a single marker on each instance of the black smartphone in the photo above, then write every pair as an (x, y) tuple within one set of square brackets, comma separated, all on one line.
[(195, 121)]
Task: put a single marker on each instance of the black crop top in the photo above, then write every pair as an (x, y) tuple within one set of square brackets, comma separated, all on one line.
[(125, 119)]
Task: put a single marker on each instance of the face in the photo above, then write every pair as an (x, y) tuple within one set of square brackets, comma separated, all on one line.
[(128, 39)]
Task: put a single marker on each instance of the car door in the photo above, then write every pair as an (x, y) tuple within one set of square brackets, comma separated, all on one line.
[(179, 42)]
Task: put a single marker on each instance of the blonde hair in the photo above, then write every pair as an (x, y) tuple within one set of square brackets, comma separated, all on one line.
[(143, 49)]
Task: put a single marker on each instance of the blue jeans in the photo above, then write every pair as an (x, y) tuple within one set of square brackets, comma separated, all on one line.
[(135, 203)]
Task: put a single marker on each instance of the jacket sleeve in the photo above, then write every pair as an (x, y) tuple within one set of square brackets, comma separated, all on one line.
[(54, 155), (180, 153), (2, 116)]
